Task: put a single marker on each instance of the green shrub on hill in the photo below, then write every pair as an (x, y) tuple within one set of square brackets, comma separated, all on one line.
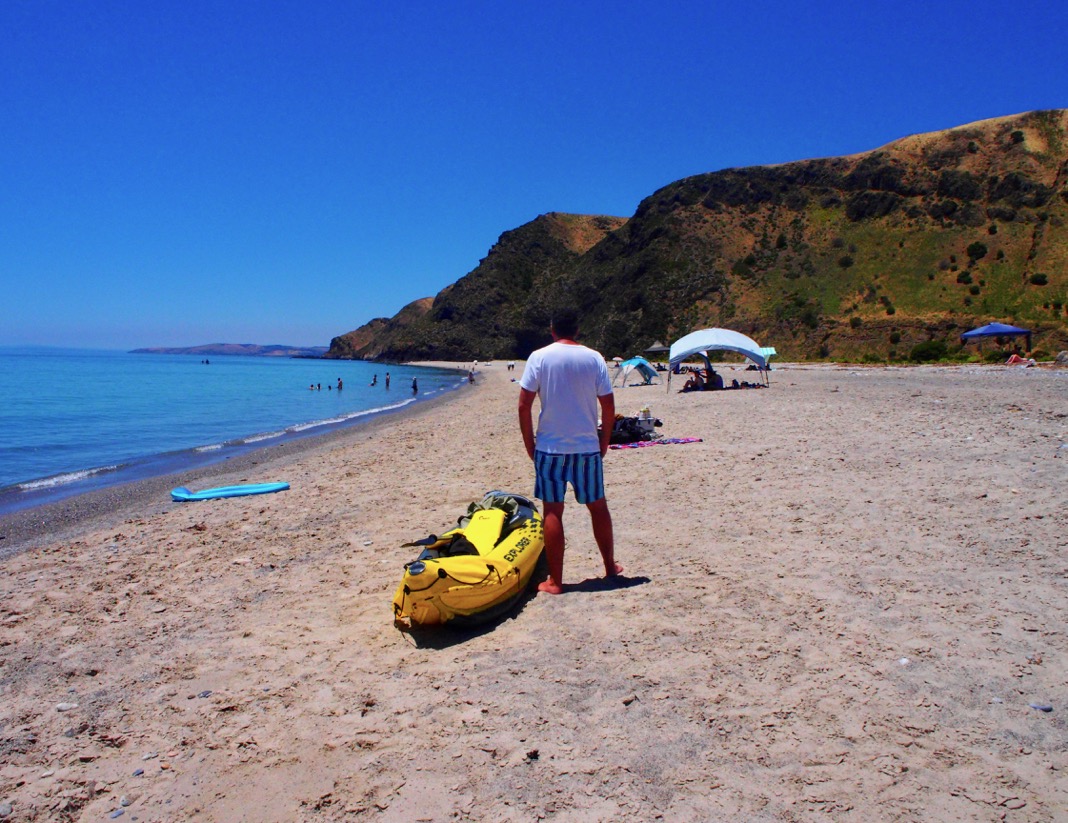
[(977, 251), (960, 185), (928, 352)]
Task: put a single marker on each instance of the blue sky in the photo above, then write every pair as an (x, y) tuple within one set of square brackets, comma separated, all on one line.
[(177, 173)]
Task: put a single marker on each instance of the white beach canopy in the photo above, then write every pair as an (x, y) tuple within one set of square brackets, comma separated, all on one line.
[(706, 340)]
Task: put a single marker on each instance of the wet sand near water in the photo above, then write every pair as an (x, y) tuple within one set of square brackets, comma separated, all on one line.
[(842, 604)]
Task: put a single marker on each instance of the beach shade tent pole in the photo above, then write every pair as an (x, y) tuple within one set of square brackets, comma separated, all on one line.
[(996, 330), (705, 340)]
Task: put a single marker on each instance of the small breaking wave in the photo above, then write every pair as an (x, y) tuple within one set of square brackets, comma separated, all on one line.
[(63, 479), (256, 438), (333, 421)]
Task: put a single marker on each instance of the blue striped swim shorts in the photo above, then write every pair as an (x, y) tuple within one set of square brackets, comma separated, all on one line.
[(552, 473)]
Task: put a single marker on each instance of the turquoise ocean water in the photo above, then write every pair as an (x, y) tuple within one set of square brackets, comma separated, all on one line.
[(74, 420)]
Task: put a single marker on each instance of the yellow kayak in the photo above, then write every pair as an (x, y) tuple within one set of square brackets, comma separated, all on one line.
[(475, 572)]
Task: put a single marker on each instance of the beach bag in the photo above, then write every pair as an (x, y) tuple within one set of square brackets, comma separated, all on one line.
[(633, 430)]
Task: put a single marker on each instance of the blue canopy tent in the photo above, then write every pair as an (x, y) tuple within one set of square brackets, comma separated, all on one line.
[(996, 330), (639, 366), (705, 340)]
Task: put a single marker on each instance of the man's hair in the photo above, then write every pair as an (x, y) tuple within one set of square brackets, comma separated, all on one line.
[(565, 322)]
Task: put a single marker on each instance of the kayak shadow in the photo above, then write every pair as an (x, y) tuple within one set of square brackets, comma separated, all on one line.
[(452, 634)]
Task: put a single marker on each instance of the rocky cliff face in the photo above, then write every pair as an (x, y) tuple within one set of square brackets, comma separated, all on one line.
[(843, 257)]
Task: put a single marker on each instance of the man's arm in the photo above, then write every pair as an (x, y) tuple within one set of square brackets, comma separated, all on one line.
[(608, 419), (526, 419)]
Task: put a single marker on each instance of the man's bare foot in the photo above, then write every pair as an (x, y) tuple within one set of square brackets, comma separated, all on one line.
[(550, 587), (618, 571)]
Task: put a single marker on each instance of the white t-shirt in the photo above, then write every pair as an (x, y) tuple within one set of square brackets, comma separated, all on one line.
[(568, 379)]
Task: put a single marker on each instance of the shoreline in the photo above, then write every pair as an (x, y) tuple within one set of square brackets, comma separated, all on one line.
[(62, 519)]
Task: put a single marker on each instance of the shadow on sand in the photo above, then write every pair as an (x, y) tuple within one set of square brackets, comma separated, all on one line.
[(444, 637), (606, 584)]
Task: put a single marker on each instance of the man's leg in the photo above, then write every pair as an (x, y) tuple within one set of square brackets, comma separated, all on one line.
[(601, 518), (553, 521)]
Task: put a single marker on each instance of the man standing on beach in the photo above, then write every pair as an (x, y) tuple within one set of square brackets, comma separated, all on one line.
[(571, 380)]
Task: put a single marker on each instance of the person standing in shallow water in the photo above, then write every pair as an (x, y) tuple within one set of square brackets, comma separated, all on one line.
[(571, 381)]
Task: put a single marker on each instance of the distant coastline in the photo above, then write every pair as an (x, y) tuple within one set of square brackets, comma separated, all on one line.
[(244, 349)]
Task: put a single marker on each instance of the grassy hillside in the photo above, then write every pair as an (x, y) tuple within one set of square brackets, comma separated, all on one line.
[(848, 258)]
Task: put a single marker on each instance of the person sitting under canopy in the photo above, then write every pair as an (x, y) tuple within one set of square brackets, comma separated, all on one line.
[(703, 380)]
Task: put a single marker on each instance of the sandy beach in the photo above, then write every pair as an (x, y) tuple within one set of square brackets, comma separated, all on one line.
[(845, 603)]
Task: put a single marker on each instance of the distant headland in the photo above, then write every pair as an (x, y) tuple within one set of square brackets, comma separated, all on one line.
[(245, 349)]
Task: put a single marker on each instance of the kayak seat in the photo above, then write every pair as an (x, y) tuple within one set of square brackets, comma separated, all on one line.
[(484, 529)]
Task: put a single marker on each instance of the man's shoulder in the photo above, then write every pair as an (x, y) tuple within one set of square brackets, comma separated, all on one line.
[(566, 350)]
